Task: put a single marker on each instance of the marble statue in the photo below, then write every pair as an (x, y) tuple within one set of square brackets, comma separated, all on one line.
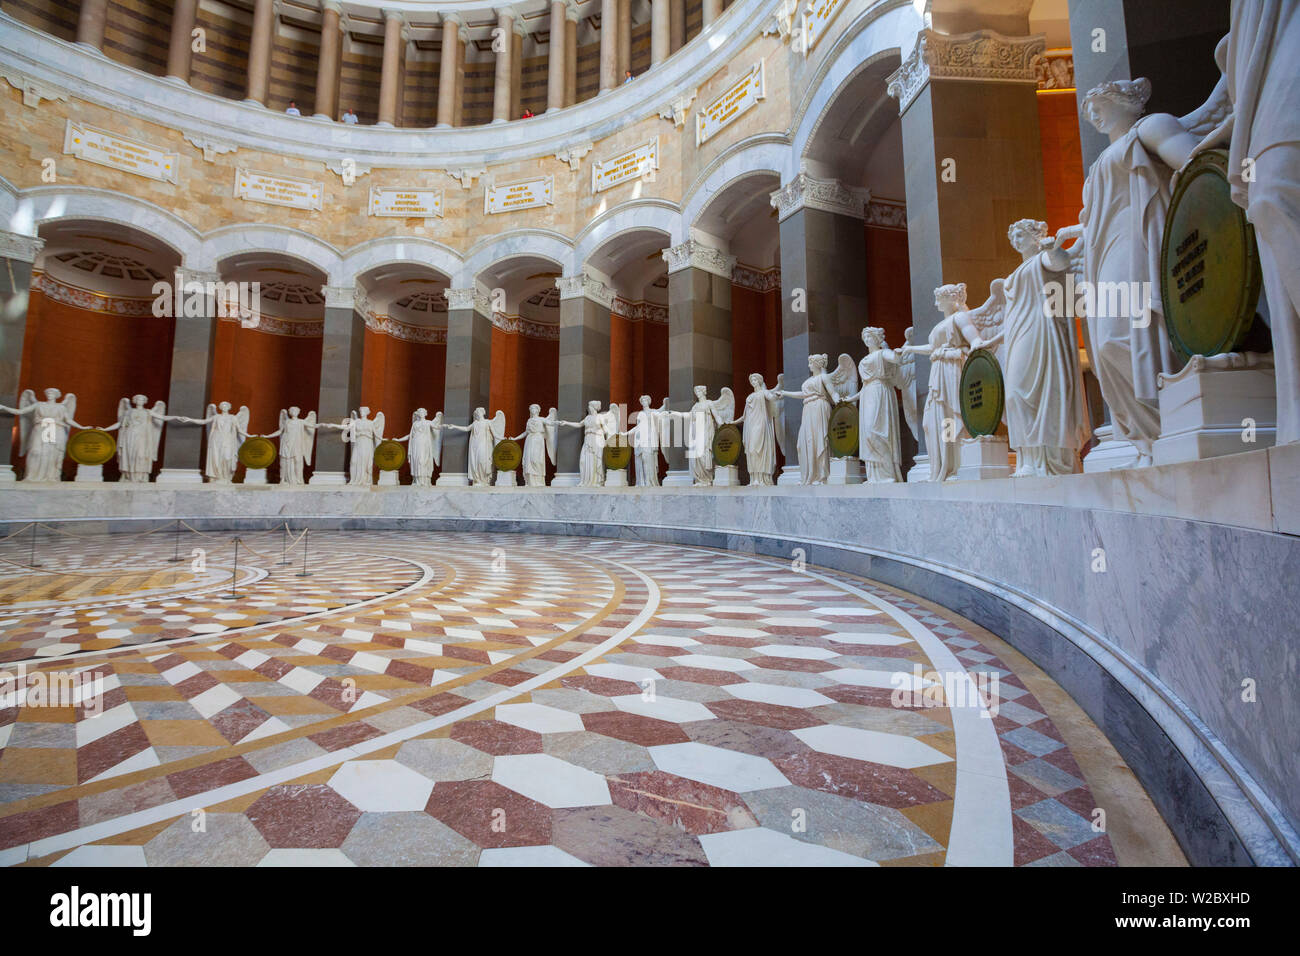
[(597, 427), (226, 432), (539, 446), (819, 392), (649, 435), (484, 433), (946, 349), (702, 422), (1047, 416), (878, 433), (763, 428), (139, 431), (364, 433), (1258, 59), (907, 385), (43, 429), (424, 446), (297, 438)]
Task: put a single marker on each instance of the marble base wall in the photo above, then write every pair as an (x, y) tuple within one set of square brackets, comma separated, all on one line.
[(1196, 592)]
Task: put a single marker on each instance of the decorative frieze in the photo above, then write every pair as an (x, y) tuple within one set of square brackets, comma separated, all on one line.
[(418, 334), (512, 197), (981, 55), (273, 325), (737, 99), (278, 190), (99, 146), (693, 254), (516, 325), (756, 280), (828, 195), (466, 299), (584, 286), (22, 248), (633, 164), (640, 311), (57, 291), (1055, 70), (887, 214)]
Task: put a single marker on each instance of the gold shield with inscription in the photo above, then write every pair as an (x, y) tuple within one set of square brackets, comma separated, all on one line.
[(389, 455), (91, 446)]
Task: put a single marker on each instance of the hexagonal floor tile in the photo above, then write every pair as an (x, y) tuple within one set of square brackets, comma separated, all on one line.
[(725, 769), (228, 839), (528, 856), (796, 652), (407, 839), (441, 758), (712, 663), (539, 718), (759, 846), (776, 694), (381, 785), (306, 858), (663, 708), (103, 856), (302, 815), (551, 781), (893, 750)]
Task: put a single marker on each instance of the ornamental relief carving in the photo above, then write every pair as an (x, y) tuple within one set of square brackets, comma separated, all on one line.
[(981, 55)]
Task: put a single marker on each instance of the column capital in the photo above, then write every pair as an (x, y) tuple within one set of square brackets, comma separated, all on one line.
[(471, 298), (339, 296), (518, 27), (571, 11), (828, 195), (454, 18), (693, 254), (585, 286), (980, 55), (185, 275), (331, 6), (391, 14), (14, 245), (506, 13)]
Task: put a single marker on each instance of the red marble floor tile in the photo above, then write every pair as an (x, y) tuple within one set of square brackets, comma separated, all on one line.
[(440, 704), (1063, 759), (303, 815), (239, 720), (699, 675), (1030, 844), (725, 641), (1046, 728), (116, 803), (345, 736), (607, 686), (684, 804), (29, 825), (509, 677), (557, 656), (191, 687), (1080, 800), (186, 783), (106, 701), (489, 814), (613, 836), (1013, 755), (409, 670), (110, 750), (634, 728), (231, 651), (769, 715), (1023, 793), (335, 693), (1096, 852), (867, 697), (746, 738), (274, 668), (472, 654), (497, 738), (337, 652), (794, 664), (654, 650), (859, 779)]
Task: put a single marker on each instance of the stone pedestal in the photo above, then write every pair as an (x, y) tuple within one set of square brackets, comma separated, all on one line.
[(679, 479), (255, 476), (789, 475), (90, 473), (506, 479), (179, 476), (1206, 412), (616, 478), (388, 479), (1110, 453), (726, 476), (453, 479), (987, 457), (7, 473), (328, 478), (920, 470), (845, 471), (565, 479)]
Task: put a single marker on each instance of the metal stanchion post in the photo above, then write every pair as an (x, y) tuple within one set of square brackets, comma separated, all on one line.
[(306, 539), (234, 574), (176, 548), (31, 554), (284, 543)]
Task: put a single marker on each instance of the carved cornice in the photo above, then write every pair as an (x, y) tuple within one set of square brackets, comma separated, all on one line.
[(828, 195), (33, 92), (420, 334), (516, 325), (290, 328), (887, 214), (14, 245), (782, 21), (57, 291), (981, 55), (584, 286), (464, 299), (339, 296), (1055, 70), (640, 311), (756, 280), (693, 254), (212, 148)]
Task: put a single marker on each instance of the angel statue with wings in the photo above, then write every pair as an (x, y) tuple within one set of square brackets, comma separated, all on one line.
[(946, 349), (702, 422), (297, 437), (484, 433), (907, 385), (226, 431), (424, 448), (878, 431), (649, 434), (597, 428), (43, 432), (139, 431), (364, 433), (819, 392), (539, 445), (763, 430), (1047, 418)]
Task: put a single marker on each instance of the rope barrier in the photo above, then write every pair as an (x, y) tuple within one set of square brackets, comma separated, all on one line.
[(18, 532)]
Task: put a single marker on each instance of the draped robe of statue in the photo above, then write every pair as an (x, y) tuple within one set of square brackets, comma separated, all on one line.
[(591, 462), (762, 418), (878, 433), (297, 438), (365, 434), (647, 437), (424, 448), (43, 428), (481, 443), (226, 431), (814, 452), (943, 399), (1125, 204), (535, 451), (139, 430)]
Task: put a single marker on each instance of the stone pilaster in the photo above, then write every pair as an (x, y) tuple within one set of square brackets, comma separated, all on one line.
[(585, 306), (469, 376), (190, 388), (17, 253), (342, 351)]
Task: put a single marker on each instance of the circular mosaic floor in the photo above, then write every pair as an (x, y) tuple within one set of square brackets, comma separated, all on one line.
[(495, 699)]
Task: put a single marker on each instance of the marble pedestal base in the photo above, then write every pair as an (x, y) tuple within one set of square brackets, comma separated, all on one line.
[(920, 470), (328, 478), (565, 479), (505, 479), (987, 457), (616, 478), (255, 476), (179, 476), (90, 473), (679, 479), (845, 471), (789, 475), (388, 479), (453, 479), (1204, 414), (726, 476), (1110, 453), (7, 473)]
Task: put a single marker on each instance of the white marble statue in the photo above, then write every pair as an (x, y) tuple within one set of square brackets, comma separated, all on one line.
[(649, 435), (1047, 416), (763, 428), (297, 438), (226, 432), (878, 430), (907, 385), (539, 445), (484, 433), (597, 428), (364, 433), (43, 429), (424, 446), (946, 349), (819, 392), (702, 423), (139, 431)]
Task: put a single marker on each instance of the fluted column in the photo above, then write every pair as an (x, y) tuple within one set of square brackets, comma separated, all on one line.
[(327, 67), (608, 44), (447, 72), (259, 51), (658, 31), (90, 24), (503, 45), (570, 53), (711, 10), (180, 49), (390, 78), (624, 37), (555, 62)]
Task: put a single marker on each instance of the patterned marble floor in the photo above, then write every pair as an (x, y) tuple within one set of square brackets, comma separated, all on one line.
[(493, 699)]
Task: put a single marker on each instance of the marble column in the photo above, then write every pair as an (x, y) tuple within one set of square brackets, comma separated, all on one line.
[(327, 66), (972, 163), (448, 75), (624, 38), (180, 50), (260, 47), (503, 45), (90, 23), (676, 24), (191, 381), (608, 45), (469, 376), (823, 284), (466, 42), (517, 69), (342, 352), (570, 53), (17, 253), (699, 334), (659, 33), (390, 77), (585, 304), (711, 10), (555, 61)]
